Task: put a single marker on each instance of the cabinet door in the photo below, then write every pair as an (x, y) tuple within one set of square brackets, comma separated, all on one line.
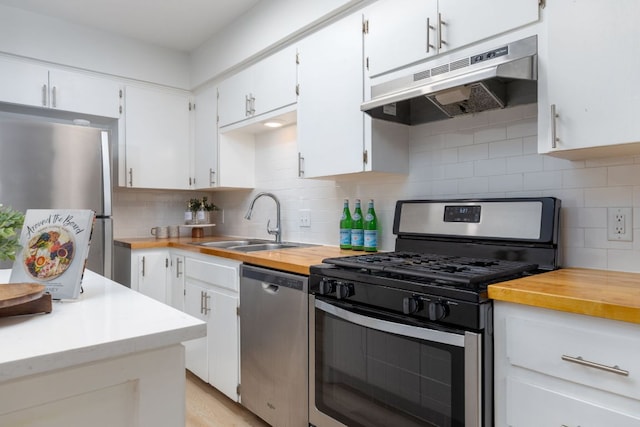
[(235, 97), (84, 94), (330, 129), (157, 138), (468, 21), (206, 138), (274, 81), (224, 342), (175, 296), (596, 100), (399, 32), (23, 83), (152, 274), (196, 352), (529, 405)]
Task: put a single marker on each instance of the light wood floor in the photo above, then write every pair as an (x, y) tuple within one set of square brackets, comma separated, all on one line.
[(207, 407)]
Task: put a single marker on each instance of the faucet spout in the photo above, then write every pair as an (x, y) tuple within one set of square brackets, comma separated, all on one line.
[(277, 231)]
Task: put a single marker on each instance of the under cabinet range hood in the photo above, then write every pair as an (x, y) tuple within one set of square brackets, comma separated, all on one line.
[(478, 81)]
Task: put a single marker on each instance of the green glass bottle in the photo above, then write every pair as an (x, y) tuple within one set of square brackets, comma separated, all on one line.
[(345, 227), (357, 228), (370, 229)]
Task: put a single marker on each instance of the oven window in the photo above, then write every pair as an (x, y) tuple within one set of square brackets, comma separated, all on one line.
[(368, 378)]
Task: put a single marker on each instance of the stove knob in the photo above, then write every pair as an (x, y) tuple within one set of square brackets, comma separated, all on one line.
[(344, 290), (326, 286), (437, 311), (411, 305)]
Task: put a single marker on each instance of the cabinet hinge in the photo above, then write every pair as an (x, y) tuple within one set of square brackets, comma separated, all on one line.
[(297, 58), (365, 157), (365, 26), (298, 89)]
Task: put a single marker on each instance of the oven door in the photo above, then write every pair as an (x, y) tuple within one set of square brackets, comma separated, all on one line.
[(370, 372)]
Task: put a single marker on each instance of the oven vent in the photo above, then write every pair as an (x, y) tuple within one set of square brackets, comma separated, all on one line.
[(476, 81)]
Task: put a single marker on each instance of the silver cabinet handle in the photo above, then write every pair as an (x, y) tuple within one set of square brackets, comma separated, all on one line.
[(143, 266), (201, 302), (554, 136), (252, 111), (54, 97), (130, 177), (300, 168), (212, 175), (178, 272), (44, 95), (580, 361), (207, 297), (429, 28), (246, 105), (440, 24)]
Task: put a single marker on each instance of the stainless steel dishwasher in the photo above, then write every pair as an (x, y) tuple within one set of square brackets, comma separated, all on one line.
[(273, 345)]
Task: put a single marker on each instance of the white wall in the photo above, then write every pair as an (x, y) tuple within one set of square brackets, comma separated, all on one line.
[(53, 40)]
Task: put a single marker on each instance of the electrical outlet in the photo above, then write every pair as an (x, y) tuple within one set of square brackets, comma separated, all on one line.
[(305, 218), (620, 224)]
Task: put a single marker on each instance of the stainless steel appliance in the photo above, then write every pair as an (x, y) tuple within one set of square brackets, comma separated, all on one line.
[(274, 345), (405, 338), (45, 165), (475, 80)]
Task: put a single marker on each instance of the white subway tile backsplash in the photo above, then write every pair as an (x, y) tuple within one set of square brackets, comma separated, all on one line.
[(490, 154)]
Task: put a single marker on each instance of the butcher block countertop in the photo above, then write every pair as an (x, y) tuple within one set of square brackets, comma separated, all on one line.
[(294, 260), (599, 293)]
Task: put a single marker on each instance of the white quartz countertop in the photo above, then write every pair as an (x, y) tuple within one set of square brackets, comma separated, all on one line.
[(108, 320)]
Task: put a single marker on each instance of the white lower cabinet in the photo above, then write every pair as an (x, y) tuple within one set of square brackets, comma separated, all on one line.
[(211, 294), (561, 369), (150, 273)]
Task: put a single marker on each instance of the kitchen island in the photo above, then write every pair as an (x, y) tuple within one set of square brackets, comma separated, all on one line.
[(113, 357)]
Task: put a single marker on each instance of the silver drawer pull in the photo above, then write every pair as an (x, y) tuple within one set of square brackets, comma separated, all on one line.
[(580, 361)]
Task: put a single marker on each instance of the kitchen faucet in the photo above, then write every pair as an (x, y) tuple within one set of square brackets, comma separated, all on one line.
[(276, 231)]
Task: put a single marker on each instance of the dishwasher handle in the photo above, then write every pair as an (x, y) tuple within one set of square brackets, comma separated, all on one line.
[(270, 289)]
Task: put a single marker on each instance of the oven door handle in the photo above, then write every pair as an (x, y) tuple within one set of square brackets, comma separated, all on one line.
[(426, 334)]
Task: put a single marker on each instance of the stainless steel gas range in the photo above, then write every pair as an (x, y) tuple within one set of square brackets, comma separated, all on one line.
[(405, 338)]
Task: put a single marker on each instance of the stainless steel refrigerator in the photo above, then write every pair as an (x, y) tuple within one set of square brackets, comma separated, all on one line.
[(46, 165)]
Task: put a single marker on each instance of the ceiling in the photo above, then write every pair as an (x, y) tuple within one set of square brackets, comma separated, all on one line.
[(177, 24)]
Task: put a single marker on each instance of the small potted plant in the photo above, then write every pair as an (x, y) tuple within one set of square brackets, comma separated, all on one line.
[(190, 215), (10, 222), (207, 211)]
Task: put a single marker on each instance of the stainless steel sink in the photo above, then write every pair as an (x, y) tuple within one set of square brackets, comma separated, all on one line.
[(251, 245), (229, 243), (264, 247)]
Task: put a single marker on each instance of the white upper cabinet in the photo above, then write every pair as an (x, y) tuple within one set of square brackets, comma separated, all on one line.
[(334, 136), (157, 138), (34, 85), (206, 138), (260, 89), (403, 32), (588, 73)]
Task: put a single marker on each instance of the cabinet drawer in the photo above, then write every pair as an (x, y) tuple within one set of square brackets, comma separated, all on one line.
[(534, 406), (543, 346), (219, 274)]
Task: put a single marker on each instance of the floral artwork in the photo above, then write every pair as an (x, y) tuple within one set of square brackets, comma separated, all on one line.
[(49, 253)]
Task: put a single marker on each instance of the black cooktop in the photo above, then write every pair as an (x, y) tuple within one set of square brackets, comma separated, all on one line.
[(437, 267)]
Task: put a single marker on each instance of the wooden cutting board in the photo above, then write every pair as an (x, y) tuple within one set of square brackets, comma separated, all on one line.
[(23, 298)]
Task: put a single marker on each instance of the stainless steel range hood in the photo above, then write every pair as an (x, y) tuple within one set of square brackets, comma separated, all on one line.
[(478, 81)]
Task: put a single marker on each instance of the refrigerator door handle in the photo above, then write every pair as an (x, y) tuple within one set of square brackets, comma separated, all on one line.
[(106, 173)]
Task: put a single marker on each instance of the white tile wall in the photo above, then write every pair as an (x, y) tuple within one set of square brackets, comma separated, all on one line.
[(489, 154)]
